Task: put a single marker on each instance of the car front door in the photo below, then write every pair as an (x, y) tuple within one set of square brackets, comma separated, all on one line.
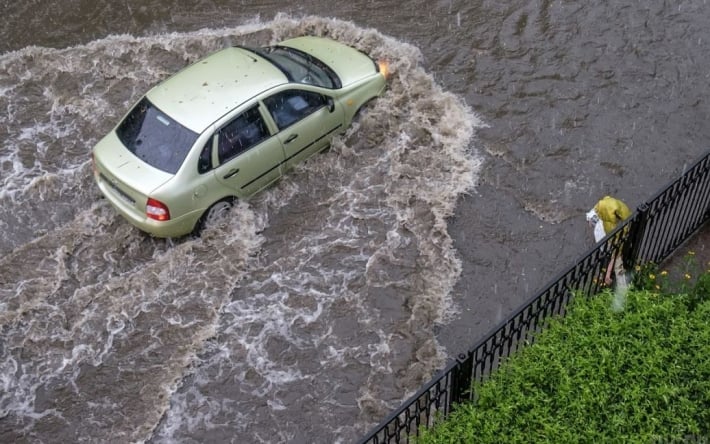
[(306, 121), (248, 158)]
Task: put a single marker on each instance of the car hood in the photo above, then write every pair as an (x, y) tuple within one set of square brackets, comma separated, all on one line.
[(348, 63), (114, 160)]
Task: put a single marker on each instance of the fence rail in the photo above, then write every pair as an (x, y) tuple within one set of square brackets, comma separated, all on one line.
[(652, 233)]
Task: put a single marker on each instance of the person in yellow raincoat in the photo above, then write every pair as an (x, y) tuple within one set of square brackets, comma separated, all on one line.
[(611, 211), (604, 217)]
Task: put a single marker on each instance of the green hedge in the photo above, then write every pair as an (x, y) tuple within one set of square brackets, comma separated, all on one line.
[(596, 375)]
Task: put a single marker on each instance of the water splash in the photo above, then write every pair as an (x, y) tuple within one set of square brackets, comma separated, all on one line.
[(620, 290), (316, 299)]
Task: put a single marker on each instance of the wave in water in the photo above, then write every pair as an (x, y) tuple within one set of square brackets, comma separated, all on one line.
[(308, 314)]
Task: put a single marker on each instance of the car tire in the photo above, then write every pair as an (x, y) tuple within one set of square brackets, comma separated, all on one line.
[(214, 214)]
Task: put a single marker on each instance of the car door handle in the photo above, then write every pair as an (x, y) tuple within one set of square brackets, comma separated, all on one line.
[(291, 138), (231, 173)]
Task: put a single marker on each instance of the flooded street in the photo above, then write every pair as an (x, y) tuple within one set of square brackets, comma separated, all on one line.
[(323, 302)]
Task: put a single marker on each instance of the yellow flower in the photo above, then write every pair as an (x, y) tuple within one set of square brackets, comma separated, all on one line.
[(687, 276), (658, 287), (638, 267), (664, 273), (652, 276), (691, 253)]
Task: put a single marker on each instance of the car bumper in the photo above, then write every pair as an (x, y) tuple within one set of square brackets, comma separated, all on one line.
[(176, 227)]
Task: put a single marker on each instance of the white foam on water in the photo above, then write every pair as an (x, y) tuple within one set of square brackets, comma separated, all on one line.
[(316, 299), (364, 270), (80, 322), (60, 102)]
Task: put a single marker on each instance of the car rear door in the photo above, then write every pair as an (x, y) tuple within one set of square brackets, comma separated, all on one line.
[(306, 121), (248, 158)]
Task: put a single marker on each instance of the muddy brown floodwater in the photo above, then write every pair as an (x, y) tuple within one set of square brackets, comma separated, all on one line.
[(325, 301)]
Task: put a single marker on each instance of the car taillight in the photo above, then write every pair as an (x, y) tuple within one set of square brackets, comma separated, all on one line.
[(157, 210)]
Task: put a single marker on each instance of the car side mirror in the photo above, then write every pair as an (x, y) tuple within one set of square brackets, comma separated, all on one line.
[(331, 104)]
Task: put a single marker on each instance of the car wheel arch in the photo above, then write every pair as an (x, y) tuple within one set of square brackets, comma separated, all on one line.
[(357, 115), (214, 210)]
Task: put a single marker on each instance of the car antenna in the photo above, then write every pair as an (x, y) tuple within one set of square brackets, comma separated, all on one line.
[(248, 52)]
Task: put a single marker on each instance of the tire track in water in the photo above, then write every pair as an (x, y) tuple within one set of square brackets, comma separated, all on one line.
[(317, 299), (84, 338)]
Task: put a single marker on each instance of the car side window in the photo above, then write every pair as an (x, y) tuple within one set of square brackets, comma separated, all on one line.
[(204, 164), (288, 107), (242, 133)]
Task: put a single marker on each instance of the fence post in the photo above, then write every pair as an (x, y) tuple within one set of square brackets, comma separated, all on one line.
[(632, 249), (461, 379)]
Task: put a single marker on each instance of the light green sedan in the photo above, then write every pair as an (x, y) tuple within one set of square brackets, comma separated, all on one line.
[(228, 126)]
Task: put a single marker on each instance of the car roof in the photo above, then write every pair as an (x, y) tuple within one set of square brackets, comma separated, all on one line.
[(204, 91)]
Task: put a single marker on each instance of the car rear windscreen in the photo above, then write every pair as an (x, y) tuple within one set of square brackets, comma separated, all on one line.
[(155, 138)]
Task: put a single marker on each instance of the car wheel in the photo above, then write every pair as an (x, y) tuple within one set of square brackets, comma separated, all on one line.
[(214, 215)]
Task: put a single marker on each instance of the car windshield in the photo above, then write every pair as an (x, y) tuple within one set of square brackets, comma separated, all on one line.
[(300, 67), (155, 138)]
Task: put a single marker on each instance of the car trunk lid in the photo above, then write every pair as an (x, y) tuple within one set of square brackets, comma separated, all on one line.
[(128, 177)]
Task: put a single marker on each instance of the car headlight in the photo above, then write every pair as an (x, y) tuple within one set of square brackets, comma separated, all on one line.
[(383, 68)]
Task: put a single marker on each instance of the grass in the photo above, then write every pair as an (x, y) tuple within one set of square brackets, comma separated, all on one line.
[(638, 375)]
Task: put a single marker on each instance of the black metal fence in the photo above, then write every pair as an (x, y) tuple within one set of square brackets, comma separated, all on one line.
[(652, 233)]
